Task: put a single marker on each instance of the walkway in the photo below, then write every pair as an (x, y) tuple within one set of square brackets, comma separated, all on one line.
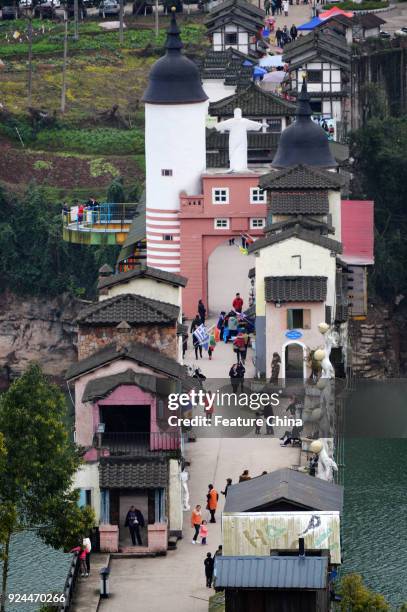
[(175, 583), (87, 590)]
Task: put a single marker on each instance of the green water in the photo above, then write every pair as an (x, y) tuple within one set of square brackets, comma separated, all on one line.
[(35, 568), (375, 515)]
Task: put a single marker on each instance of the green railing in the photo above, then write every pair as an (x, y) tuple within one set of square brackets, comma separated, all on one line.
[(99, 217)]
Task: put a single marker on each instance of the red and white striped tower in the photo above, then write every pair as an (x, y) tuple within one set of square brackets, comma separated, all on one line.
[(175, 111)]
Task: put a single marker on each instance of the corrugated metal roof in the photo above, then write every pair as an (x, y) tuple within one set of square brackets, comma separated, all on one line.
[(273, 572), (357, 235), (285, 484)]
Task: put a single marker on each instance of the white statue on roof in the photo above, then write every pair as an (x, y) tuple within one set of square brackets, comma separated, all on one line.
[(238, 128)]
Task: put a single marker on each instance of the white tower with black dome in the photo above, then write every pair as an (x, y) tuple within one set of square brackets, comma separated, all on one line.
[(175, 112)]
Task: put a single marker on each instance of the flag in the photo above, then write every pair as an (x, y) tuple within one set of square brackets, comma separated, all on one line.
[(202, 335)]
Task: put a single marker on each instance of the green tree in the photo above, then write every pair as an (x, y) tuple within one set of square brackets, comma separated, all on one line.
[(379, 150), (356, 597), (40, 461), (115, 193)]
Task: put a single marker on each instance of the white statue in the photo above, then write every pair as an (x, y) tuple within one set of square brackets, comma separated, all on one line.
[(323, 447), (184, 481), (238, 128), (330, 340)]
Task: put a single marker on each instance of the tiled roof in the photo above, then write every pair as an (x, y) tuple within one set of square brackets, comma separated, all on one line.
[(324, 44), (307, 222), (140, 353), (236, 11), (295, 288), (98, 388), (135, 309), (226, 66), (301, 177), (274, 572), (254, 102), (137, 231), (255, 140), (314, 237), (228, 5), (114, 474), (143, 272), (308, 202), (368, 20)]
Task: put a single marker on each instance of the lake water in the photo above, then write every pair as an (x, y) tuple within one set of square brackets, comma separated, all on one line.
[(375, 515), (35, 568)]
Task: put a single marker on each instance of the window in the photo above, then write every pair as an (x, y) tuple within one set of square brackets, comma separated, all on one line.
[(221, 224), (231, 38), (168, 237), (314, 76), (298, 318), (257, 195), (166, 172), (220, 195), (257, 223), (316, 106)]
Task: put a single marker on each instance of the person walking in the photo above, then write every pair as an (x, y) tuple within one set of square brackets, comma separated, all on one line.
[(234, 378), (209, 563), (196, 322), (221, 324), (279, 7), (212, 345), (293, 32), (196, 521), (239, 346), (279, 34), (228, 484), (240, 371), (202, 311), (237, 303), (244, 476), (86, 543), (267, 5), (203, 532), (212, 499), (285, 7)]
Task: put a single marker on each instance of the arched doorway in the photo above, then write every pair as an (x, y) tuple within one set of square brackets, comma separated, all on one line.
[(228, 271), (294, 360)]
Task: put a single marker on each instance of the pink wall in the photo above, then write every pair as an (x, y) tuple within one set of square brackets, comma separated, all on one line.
[(198, 236), (86, 414)]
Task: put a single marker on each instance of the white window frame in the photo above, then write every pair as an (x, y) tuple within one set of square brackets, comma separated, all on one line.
[(254, 224), (216, 193), (221, 227), (255, 192)]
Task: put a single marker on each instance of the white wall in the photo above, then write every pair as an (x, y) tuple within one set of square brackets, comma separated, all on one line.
[(87, 477), (175, 516), (216, 90)]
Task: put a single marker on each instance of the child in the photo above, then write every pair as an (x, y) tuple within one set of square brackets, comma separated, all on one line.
[(203, 532), (82, 560)]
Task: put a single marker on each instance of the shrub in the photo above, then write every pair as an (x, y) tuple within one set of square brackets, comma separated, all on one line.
[(99, 167), (102, 141), (43, 165)]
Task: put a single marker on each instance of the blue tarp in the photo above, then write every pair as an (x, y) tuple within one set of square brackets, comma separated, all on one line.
[(310, 25), (247, 63), (259, 72)]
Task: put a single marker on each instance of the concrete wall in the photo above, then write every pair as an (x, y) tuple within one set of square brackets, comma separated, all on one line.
[(216, 90), (147, 287), (163, 338), (175, 510)]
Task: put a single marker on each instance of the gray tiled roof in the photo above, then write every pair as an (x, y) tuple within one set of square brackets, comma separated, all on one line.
[(274, 572), (306, 202), (98, 388), (324, 44), (301, 177), (115, 474), (143, 272), (301, 489), (314, 237), (254, 102), (140, 353), (295, 288), (135, 309), (137, 231)]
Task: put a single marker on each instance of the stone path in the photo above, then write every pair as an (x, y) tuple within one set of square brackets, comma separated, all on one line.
[(176, 582), (87, 590)]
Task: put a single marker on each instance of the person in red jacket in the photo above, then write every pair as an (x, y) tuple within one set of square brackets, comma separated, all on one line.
[(237, 303)]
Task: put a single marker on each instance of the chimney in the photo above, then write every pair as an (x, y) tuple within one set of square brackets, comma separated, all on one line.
[(122, 338), (301, 547), (104, 272)]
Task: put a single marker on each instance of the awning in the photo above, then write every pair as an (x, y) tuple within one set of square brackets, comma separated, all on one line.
[(310, 25), (335, 10)]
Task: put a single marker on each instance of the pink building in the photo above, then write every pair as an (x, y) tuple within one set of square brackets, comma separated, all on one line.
[(231, 206)]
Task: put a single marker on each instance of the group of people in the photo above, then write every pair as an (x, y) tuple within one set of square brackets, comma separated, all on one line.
[(91, 204), (285, 35), (84, 549)]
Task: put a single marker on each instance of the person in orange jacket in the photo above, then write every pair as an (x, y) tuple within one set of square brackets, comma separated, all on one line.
[(212, 504), (196, 521)]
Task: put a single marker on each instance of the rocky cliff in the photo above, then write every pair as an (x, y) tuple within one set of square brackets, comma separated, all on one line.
[(37, 329)]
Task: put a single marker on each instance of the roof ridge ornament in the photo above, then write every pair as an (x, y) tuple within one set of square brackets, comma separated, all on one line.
[(173, 42)]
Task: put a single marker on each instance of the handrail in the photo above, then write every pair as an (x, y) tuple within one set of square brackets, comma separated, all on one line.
[(139, 443), (70, 584), (99, 216)]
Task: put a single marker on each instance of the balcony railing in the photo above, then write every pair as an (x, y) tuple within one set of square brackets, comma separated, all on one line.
[(105, 217), (131, 444), (192, 203)]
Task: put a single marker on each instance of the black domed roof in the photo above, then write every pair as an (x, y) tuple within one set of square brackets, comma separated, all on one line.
[(303, 142), (174, 79)]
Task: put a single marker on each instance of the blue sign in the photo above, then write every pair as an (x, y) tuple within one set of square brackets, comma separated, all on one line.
[(293, 334)]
